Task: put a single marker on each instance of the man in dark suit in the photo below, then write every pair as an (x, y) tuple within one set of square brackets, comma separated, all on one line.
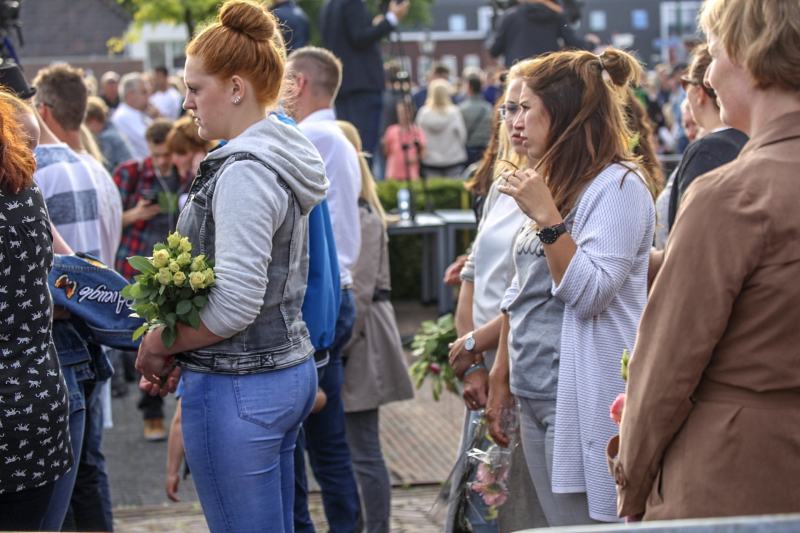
[(294, 23), (349, 32)]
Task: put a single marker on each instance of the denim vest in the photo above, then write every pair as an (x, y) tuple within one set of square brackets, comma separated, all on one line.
[(278, 337)]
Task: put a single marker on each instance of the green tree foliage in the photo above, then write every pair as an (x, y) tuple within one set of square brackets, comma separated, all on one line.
[(194, 12), (188, 12)]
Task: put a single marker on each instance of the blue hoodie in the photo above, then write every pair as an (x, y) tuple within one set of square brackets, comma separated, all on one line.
[(323, 292)]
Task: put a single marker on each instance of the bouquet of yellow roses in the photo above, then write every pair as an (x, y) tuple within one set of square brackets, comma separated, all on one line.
[(172, 287)]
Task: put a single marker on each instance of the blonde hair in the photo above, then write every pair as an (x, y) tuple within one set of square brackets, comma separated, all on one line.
[(439, 96), (763, 36), (368, 192), (96, 109), (507, 158), (244, 40), (91, 145)]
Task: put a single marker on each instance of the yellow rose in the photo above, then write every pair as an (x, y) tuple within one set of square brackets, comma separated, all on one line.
[(174, 266), (174, 240), (179, 278), (164, 276), (160, 258), (198, 263), (184, 259), (197, 280), (209, 275), (185, 245)]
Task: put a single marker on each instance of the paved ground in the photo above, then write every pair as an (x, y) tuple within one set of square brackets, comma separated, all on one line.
[(420, 441)]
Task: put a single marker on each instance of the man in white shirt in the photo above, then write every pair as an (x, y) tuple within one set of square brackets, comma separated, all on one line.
[(130, 118), (316, 75), (86, 209), (166, 98)]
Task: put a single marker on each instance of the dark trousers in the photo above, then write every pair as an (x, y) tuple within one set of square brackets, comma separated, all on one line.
[(326, 441), (90, 508), (24, 510), (363, 109), (151, 406), (363, 436)]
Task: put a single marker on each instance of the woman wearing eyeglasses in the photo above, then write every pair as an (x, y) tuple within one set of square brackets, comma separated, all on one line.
[(722, 144), (485, 277)]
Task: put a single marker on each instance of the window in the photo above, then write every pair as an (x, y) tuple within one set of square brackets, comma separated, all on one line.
[(423, 65), (597, 20), (157, 54), (178, 55), (452, 64), (457, 23), (640, 19), (485, 16), (472, 61)]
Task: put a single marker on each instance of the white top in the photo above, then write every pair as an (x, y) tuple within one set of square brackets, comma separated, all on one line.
[(132, 124), (344, 173), (83, 201), (169, 103), (492, 257), (604, 290), (489, 264)]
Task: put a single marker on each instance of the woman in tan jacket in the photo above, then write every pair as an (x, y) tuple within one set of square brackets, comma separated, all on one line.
[(713, 405), (375, 373)]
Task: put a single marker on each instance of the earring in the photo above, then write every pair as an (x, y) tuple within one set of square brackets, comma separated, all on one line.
[(237, 100)]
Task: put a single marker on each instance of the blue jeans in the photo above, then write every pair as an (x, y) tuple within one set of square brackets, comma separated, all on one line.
[(91, 496), (326, 439), (364, 110), (59, 504), (239, 433)]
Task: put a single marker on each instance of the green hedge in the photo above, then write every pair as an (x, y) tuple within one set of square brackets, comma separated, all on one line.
[(405, 251)]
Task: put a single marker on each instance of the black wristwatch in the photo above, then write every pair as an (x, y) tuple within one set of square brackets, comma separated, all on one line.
[(550, 234)]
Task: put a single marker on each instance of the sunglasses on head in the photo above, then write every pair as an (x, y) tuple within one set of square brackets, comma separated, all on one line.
[(685, 81)]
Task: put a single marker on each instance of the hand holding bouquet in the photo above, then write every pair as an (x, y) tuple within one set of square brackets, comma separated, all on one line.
[(431, 350), (172, 287)]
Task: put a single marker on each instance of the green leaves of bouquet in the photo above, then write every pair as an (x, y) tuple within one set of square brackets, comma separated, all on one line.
[(432, 352), (172, 288)]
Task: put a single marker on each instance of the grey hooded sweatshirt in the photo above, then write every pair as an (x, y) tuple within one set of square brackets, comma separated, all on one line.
[(247, 210)]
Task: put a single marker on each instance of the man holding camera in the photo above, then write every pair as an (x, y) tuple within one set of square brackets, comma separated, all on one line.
[(349, 32), (534, 27)]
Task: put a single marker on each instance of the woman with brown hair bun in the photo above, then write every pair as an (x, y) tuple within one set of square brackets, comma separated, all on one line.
[(581, 278), (249, 375), (713, 406)]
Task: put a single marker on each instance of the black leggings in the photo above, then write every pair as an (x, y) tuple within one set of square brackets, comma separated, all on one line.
[(24, 510)]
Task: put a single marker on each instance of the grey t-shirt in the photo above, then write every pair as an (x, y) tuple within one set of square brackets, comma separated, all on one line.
[(536, 316)]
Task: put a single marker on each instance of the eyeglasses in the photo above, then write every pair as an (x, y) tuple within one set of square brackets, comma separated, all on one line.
[(685, 81), (44, 104), (509, 111)]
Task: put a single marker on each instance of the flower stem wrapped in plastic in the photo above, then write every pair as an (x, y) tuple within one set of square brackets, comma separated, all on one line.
[(478, 485), (172, 288)]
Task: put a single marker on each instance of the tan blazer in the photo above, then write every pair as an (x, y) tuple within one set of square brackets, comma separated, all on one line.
[(376, 371), (711, 425)]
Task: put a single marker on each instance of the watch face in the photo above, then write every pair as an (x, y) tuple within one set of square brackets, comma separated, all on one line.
[(548, 235), (469, 344)]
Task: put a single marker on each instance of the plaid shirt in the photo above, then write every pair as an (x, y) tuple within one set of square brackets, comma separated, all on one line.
[(131, 178)]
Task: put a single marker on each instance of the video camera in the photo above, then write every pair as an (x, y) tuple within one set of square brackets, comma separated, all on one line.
[(9, 18), (572, 8)]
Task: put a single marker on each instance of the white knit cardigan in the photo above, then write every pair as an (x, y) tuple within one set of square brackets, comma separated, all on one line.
[(604, 290)]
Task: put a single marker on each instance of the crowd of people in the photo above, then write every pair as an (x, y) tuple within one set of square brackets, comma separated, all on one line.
[(583, 251)]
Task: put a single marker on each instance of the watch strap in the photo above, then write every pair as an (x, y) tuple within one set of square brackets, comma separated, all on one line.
[(559, 229)]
